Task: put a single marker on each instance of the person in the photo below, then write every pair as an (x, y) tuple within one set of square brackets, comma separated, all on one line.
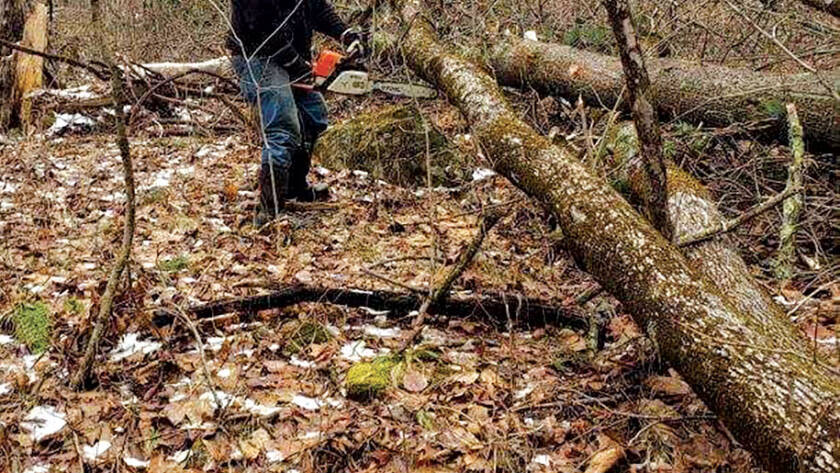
[(270, 44)]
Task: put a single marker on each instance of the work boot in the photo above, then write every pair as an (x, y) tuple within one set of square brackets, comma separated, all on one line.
[(268, 208), (318, 192)]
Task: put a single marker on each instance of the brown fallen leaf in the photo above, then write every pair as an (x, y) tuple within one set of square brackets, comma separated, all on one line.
[(414, 381), (668, 385), (605, 459)]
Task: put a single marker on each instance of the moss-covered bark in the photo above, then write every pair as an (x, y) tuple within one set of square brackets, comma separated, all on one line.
[(390, 144), (760, 380), (792, 206), (709, 94)]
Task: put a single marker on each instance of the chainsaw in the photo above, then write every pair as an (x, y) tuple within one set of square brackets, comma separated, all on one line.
[(336, 73)]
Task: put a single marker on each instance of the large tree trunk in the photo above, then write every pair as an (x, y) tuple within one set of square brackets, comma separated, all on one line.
[(22, 21), (831, 6), (767, 390), (682, 90)]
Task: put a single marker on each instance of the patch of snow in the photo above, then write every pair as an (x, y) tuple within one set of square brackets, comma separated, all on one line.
[(321, 171), (356, 351), (274, 347), (374, 311), (37, 469), (219, 224), (92, 452), (7, 188), (180, 456), (223, 373), (274, 456), (136, 462), (523, 392), (6, 339), (374, 331), (305, 402), (482, 173), (360, 174), (69, 122), (5, 388), (310, 435), (259, 409), (43, 421), (295, 361), (543, 460), (129, 345), (214, 343), (530, 35)]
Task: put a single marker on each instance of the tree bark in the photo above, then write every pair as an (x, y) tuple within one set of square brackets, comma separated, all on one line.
[(25, 22), (638, 91), (830, 6), (681, 90), (768, 391)]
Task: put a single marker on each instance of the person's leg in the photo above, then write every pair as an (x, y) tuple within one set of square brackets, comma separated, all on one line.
[(266, 86), (313, 118)]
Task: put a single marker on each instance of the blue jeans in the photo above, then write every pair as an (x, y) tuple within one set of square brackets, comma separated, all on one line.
[(291, 119)]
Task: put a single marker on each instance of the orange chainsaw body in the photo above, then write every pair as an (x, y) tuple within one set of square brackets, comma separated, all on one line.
[(326, 63)]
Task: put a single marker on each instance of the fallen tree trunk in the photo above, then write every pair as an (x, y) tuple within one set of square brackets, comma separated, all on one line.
[(25, 22), (830, 6), (774, 398), (682, 90), (530, 312)]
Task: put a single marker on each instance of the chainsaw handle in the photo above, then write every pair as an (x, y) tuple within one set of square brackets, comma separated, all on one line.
[(302, 86)]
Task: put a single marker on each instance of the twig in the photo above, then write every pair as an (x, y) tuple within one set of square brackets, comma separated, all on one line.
[(464, 260), (792, 206), (638, 87), (736, 222), (88, 66), (392, 282), (107, 302), (200, 346)]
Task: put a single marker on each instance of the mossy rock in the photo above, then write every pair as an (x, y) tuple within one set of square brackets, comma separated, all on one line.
[(390, 144), (367, 380), (33, 325), (302, 334)]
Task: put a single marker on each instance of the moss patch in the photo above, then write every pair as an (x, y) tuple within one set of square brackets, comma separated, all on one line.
[(173, 265), (303, 334), (367, 380), (32, 325)]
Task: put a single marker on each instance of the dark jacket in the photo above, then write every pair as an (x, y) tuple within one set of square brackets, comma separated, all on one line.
[(257, 24)]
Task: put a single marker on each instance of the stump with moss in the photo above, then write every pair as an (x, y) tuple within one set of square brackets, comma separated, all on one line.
[(391, 144)]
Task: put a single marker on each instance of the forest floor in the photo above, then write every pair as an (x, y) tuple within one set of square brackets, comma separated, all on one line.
[(267, 391), (481, 399)]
